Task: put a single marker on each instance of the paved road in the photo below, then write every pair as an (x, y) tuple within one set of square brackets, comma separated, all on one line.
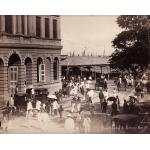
[(100, 123)]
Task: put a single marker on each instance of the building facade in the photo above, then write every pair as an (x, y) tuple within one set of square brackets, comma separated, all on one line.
[(30, 48)]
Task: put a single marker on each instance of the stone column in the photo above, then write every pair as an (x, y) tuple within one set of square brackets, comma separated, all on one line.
[(59, 70), (2, 23), (51, 27), (42, 27), (19, 25), (52, 71), (21, 77), (25, 25), (58, 29), (14, 24)]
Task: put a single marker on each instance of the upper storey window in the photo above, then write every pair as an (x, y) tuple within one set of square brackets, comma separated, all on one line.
[(55, 29), (8, 24), (46, 27), (38, 26)]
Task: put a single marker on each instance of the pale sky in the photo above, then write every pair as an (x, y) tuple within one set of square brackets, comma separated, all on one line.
[(92, 33)]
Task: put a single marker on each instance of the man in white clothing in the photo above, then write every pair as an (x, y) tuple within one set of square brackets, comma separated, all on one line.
[(69, 124), (106, 94), (38, 105)]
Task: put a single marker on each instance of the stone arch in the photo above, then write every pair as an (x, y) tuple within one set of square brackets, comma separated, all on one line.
[(14, 52), (56, 68), (28, 56)]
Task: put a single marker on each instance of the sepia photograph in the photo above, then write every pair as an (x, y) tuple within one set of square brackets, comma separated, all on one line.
[(74, 74)]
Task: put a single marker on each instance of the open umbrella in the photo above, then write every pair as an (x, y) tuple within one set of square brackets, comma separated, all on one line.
[(30, 87), (52, 96), (111, 98)]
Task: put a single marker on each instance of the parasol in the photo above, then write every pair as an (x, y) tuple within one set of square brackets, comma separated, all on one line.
[(30, 87), (111, 99), (52, 96)]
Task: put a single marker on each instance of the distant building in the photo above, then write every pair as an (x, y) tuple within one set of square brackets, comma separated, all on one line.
[(30, 48), (85, 66)]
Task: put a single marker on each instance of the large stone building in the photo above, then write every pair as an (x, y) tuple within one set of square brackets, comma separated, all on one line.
[(30, 48)]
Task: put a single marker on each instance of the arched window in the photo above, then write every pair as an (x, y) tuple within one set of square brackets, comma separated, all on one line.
[(28, 65), (41, 74), (56, 68), (14, 73)]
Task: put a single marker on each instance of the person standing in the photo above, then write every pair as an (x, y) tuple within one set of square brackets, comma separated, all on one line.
[(87, 124), (119, 82), (114, 108), (148, 87), (55, 107), (118, 103), (16, 89), (101, 98), (104, 106), (11, 103), (79, 122), (106, 94), (69, 124), (125, 107), (6, 123), (78, 104), (73, 103), (32, 93), (12, 107), (29, 108), (25, 87), (105, 84), (114, 93), (38, 105), (60, 110)]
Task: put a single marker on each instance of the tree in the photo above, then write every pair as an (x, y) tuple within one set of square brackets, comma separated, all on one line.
[(133, 43)]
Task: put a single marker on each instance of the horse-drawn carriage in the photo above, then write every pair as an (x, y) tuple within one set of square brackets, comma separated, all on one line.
[(138, 122), (100, 83)]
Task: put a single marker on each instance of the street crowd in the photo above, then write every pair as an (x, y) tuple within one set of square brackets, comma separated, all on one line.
[(81, 91)]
